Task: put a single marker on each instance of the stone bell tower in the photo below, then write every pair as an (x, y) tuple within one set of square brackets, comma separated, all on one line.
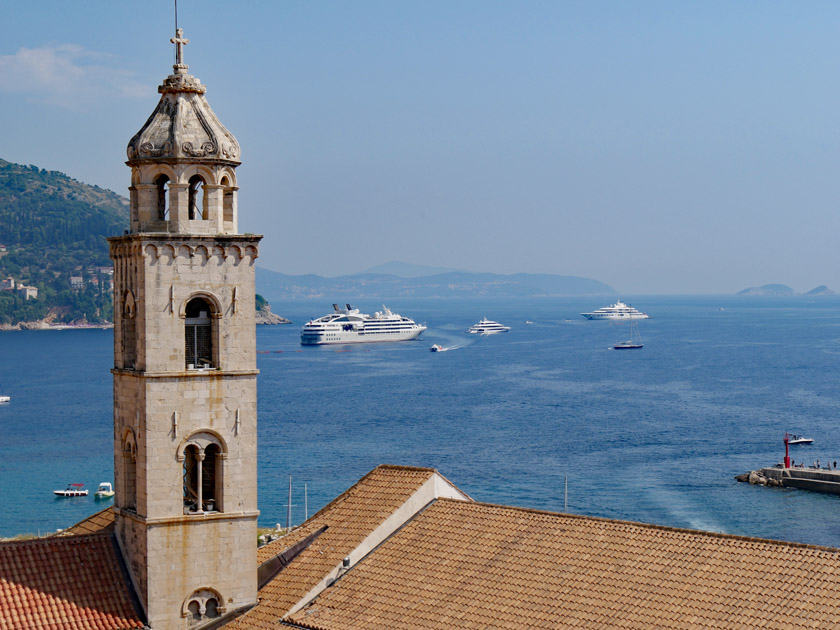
[(185, 377)]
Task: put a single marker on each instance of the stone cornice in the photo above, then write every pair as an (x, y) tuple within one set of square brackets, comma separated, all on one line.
[(209, 373), (171, 237), (187, 518)]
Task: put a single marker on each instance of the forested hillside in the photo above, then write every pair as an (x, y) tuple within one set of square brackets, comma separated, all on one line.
[(53, 229)]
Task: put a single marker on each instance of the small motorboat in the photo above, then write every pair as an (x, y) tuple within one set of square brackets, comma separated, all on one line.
[(798, 439), (72, 490), (5, 399), (436, 348), (104, 491)]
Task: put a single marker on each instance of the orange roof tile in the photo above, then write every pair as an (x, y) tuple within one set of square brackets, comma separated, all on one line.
[(470, 565), (64, 583), (349, 518)]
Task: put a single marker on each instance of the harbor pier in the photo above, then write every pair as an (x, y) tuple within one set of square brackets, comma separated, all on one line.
[(807, 478)]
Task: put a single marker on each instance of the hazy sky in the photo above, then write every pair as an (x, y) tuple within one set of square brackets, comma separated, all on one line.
[(660, 147)]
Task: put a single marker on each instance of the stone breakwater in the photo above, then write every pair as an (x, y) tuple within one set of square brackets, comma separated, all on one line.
[(826, 480)]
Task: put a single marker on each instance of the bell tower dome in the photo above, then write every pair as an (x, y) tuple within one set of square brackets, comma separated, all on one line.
[(182, 161), (185, 373)]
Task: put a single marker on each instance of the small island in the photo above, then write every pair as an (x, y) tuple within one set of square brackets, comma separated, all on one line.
[(782, 290), (264, 314)]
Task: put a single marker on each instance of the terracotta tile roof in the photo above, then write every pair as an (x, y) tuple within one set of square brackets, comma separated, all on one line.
[(470, 565), (102, 521), (350, 518), (64, 583)]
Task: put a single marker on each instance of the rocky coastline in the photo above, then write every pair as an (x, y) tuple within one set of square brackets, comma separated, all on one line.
[(266, 317), (44, 324)]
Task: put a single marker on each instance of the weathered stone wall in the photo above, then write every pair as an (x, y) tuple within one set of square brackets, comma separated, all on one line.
[(161, 405), (192, 554)]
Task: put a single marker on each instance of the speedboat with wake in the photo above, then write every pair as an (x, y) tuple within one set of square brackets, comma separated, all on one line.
[(348, 325), (487, 327)]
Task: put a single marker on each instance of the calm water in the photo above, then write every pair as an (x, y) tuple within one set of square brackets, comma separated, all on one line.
[(654, 435)]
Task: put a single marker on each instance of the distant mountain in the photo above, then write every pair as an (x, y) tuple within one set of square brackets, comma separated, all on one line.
[(407, 270), (279, 286), (768, 289), (821, 290)]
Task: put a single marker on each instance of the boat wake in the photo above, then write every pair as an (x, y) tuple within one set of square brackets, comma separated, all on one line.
[(453, 343)]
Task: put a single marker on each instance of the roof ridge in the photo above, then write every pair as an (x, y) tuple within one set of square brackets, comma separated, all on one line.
[(347, 493), (66, 531), (52, 538), (669, 528), (401, 467)]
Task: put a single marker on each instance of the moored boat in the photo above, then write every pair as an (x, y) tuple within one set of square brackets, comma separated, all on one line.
[(104, 491), (635, 341), (72, 490)]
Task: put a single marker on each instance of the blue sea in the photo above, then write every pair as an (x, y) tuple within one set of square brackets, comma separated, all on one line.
[(653, 435)]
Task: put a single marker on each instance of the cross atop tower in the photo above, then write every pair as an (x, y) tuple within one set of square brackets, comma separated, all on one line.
[(180, 41)]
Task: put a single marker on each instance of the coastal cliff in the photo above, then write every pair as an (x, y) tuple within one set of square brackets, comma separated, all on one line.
[(266, 317)]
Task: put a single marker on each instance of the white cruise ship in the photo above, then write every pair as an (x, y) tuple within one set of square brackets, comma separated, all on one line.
[(619, 310), (487, 327), (348, 325)]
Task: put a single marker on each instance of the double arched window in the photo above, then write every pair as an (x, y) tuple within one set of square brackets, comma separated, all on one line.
[(203, 457), (203, 605)]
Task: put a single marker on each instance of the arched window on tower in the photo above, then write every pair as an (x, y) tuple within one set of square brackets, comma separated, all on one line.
[(197, 198), (208, 478), (203, 466), (191, 462), (203, 605), (198, 335), (162, 193), (129, 482), (129, 332), (227, 200)]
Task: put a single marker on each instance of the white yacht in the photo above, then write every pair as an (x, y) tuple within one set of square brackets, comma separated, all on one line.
[(348, 325), (619, 310), (487, 327)]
